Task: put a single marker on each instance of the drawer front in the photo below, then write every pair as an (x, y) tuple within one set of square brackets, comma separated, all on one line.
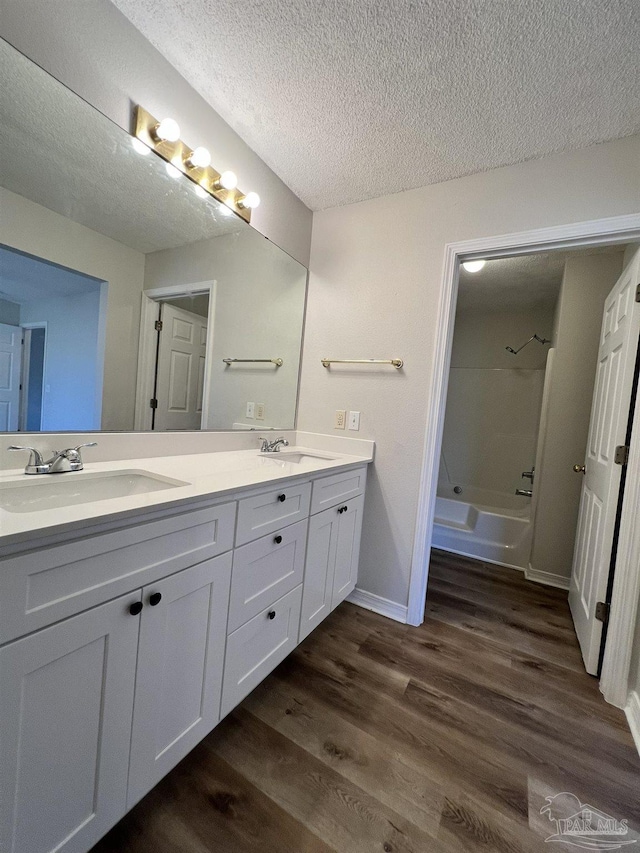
[(265, 513), (265, 570), (41, 587), (329, 491), (258, 646)]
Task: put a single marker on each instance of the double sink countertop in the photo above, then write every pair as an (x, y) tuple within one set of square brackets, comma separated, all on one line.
[(36, 506)]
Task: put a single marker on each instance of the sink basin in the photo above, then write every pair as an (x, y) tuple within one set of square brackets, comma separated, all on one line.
[(297, 456), (55, 490)]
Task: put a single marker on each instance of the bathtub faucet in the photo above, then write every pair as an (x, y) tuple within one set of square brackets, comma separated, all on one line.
[(524, 493)]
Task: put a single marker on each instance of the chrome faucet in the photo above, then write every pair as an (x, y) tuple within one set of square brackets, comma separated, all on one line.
[(272, 446), (61, 461)]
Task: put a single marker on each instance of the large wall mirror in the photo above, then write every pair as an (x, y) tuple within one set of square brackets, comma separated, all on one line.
[(127, 301)]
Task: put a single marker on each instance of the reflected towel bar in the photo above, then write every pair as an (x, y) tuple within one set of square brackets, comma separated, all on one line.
[(277, 361), (396, 362)]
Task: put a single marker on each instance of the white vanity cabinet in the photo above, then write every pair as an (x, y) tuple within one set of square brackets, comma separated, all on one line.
[(121, 649)]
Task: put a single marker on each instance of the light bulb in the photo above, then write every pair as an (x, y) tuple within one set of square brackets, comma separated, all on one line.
[(201, 191), (200, 158), (250, 200), (227, 181), (172, 171), (167, 130), (473, 266), (140, 147)]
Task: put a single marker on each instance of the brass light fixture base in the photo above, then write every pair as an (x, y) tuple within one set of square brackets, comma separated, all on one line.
[(177, 153)]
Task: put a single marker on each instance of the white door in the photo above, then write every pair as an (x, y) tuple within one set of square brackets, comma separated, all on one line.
[(181, 363), (180, 660), (66, 702), (607, 429), (347, 549), (319, 570), (10, 364)]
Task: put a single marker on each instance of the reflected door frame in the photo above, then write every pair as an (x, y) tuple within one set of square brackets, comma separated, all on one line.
[(27, 328), (148, 347)]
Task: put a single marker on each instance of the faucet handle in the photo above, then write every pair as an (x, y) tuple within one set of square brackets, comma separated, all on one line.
[(36, 464), (88, 444), (74, 456)]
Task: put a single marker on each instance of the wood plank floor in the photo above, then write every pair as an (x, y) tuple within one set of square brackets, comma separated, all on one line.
[(375, 736)]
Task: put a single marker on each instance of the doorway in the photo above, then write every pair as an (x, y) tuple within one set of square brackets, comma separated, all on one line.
[(617, 230), (33, 374)]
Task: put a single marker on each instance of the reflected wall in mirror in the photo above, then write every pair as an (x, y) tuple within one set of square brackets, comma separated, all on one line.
[(98, 243)]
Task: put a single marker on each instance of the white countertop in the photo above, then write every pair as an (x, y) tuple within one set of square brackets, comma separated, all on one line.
[(207, 475)]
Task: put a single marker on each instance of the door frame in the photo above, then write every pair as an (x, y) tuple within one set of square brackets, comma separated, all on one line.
[(24, 372), (624, 605), (147, 348)]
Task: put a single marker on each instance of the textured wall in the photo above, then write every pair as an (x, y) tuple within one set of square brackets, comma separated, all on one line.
[(586, 283), (93, 49), (376, 270)]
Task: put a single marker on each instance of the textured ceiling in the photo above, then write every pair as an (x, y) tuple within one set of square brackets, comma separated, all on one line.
[(357, 99), (60, 152)]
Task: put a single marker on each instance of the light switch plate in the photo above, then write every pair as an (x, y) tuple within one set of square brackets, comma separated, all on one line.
[(340, 419), (354, 420), (259, 411), (250, 410)]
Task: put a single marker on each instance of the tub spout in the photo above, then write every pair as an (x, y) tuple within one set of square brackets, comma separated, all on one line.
[(524, 493)]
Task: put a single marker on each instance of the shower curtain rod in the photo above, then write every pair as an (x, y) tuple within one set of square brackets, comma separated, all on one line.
[(533, 337)]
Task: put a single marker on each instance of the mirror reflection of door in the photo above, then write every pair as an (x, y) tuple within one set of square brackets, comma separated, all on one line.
[(181, 361)]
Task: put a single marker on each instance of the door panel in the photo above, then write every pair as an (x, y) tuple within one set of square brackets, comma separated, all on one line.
[(180, 660), (319, 570), (598, 503), (347, 550), (10, 364), (65, 714), (180, 376)]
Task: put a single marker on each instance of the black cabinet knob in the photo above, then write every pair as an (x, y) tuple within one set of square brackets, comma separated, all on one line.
[(155, 598), (345, 508), (272, 614), (135, 608), (342, 509), (282, 498), (277, 539)]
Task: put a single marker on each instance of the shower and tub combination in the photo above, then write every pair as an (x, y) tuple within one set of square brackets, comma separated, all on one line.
[(493, 524)]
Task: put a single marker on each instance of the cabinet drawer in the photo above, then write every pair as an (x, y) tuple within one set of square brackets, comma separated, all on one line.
[(258, 646), (41, 587), (329, 491), (265, 570), (265, 513)]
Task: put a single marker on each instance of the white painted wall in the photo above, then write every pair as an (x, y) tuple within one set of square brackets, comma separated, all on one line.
[(94, 50), (586, 282), (493, 400), (72, 398), (376, 270), (32, 228), (9, 312), (259, 307)]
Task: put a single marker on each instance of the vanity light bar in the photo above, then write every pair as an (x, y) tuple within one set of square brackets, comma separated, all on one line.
[(163, 137)]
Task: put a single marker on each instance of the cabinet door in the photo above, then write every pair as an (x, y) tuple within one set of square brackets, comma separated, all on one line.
[(347, 549), (180, 661), (258, 646), (65, 723), (319, 570)]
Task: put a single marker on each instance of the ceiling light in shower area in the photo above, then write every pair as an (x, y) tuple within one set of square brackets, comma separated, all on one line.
[(473, 266)]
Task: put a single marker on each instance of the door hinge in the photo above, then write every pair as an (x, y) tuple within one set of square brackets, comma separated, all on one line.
[(621, 456), (158, 325), (153, 403), (602, 612), (638, 293)]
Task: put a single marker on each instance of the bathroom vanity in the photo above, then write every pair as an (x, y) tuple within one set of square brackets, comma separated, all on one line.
[(131, 625)]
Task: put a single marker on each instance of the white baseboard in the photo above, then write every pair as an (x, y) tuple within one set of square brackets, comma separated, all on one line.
[(633, 716), (547, 578), (378, 604)]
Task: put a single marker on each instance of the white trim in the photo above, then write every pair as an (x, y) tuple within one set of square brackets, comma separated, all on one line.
[(547, 578), (626, 588), (633, 717), (617, 229), (378, 604), (147, 347)]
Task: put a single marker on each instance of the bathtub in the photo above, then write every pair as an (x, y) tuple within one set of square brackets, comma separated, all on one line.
[(491, 526)]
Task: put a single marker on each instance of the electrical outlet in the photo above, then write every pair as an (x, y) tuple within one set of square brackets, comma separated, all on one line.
[(341, 419), (259, 411), (354, 420), (251, 410)]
